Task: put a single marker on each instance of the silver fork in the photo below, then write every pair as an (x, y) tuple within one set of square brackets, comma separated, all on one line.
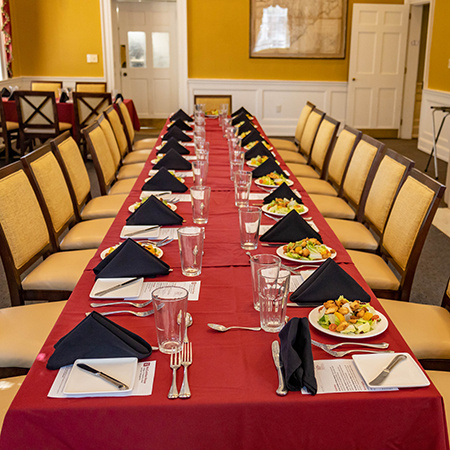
[(136, 305), (341, 354), (362, 344), (134, 313), (186, 361), (175, 364)]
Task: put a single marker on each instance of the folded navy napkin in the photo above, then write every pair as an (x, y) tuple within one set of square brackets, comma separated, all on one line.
[(296, 356), (292, 227), (130, 259), (253, 136), (5, 92), (173, 160), (177, 134), (239, 118), (181, 124), (258, 150), (239, 111), (64, 97), (246, 126), (154, 212), (97, 336), (163, 180), (328, 282), (180, 114), (173, 144), (268, 166), (282, 191)]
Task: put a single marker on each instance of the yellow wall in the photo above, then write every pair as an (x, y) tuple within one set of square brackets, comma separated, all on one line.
[(439, 76), (218, 46), (52, 37)]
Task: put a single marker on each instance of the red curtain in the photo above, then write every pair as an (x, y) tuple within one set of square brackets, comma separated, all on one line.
[(6, 28)]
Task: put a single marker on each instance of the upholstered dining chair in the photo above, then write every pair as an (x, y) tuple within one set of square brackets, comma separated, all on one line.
[(9, 132), (286, 147), (403, 238), (25, 239), (343, 150), (8, 390), (66, 233), (441, 379), (90, 86), (104, 165), (134, 145), (320, 151), (391, 173), (69, 157), (38, 117), (358, 179), (47, 86), (213, 102)]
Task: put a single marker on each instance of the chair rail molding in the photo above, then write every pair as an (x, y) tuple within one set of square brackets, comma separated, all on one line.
[(276, 104)]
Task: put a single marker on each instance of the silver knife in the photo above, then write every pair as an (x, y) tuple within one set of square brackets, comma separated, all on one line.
[(118, 384), (281, 390), (117, 286), (386, 371)]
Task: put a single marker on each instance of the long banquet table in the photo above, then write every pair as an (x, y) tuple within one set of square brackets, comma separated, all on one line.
[(232, 378)]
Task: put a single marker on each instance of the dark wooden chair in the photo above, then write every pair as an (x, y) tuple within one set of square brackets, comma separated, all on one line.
[(9, 133)]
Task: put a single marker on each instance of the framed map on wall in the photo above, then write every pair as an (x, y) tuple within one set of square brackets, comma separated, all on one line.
[(298, 28)]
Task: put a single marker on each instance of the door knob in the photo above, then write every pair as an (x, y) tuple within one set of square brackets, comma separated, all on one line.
[(124, 74), (353, 79)]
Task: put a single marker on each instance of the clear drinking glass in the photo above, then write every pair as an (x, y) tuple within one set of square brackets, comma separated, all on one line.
[(200, 196), (200, 171), (190, 243), (273, 287), (242, 185), (258, 262), (235, 166), (249, 221), (170, 305)]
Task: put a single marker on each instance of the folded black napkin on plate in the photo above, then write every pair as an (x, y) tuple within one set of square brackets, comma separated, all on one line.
[(177, 134), (163, 180), (328, 282), (239, 118), (63, 97), (173, 160), (282, 191), (253, 136), (97, 336), (180, 114), (258, 150), (130, 259), (268, 166), (180, 124), (296, 356), (5, 92), (239, 111), (292, 227), (246, 126), (154, 212), (172, 143)]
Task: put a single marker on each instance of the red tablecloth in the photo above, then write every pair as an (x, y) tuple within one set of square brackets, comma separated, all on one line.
[(232, 378)]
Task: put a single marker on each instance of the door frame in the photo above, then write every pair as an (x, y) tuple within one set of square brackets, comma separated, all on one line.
[(110, 35)]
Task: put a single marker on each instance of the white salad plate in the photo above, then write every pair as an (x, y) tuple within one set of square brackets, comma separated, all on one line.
[(258, 183), (265, 208), (281, 254)]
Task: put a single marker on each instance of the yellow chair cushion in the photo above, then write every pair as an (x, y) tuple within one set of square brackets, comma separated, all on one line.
[(122, 186), (314, 186), (340, 155), (64, 126), (112, 142), (119, 132), (284, 144), (127, 120), (441, 380), (86, 234), (23, 331), (104, 206), (292, 157), (302, 170), (374, 270), (333, 207), (425, 328), (137, 156), (144, 144), (130, 171), (8, 390), (322, 143), (104, 155), (309, 132), (353, 234), (12, 126), (60, 271)]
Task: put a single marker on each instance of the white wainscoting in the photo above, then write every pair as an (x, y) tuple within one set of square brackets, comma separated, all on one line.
[(434, 98), (276, 104)]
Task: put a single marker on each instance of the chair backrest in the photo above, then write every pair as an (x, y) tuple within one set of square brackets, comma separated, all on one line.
[(72, 165), (4, 131), (98, 147), (391, 174), (119, 131), (111, 138), (125, 118), (53, 86), (52, 192), (360, 173), (341, 155), (24, 236), (306, 111), (408, 224), (310, 131), (37, 110), (87, 106), (213, 102), (323, 144), (90, 86)]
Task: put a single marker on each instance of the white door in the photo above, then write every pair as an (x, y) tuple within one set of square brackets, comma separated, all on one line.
[(377, 66), (148, 53)]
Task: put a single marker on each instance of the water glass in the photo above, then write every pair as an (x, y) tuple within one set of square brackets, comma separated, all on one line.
[(190, 243), (235, 166), (170, 305), (273, 286), (200, 171), (226, 124), (258, 262), (202, 151), (249, 221), (242, 185), (200, 196)]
